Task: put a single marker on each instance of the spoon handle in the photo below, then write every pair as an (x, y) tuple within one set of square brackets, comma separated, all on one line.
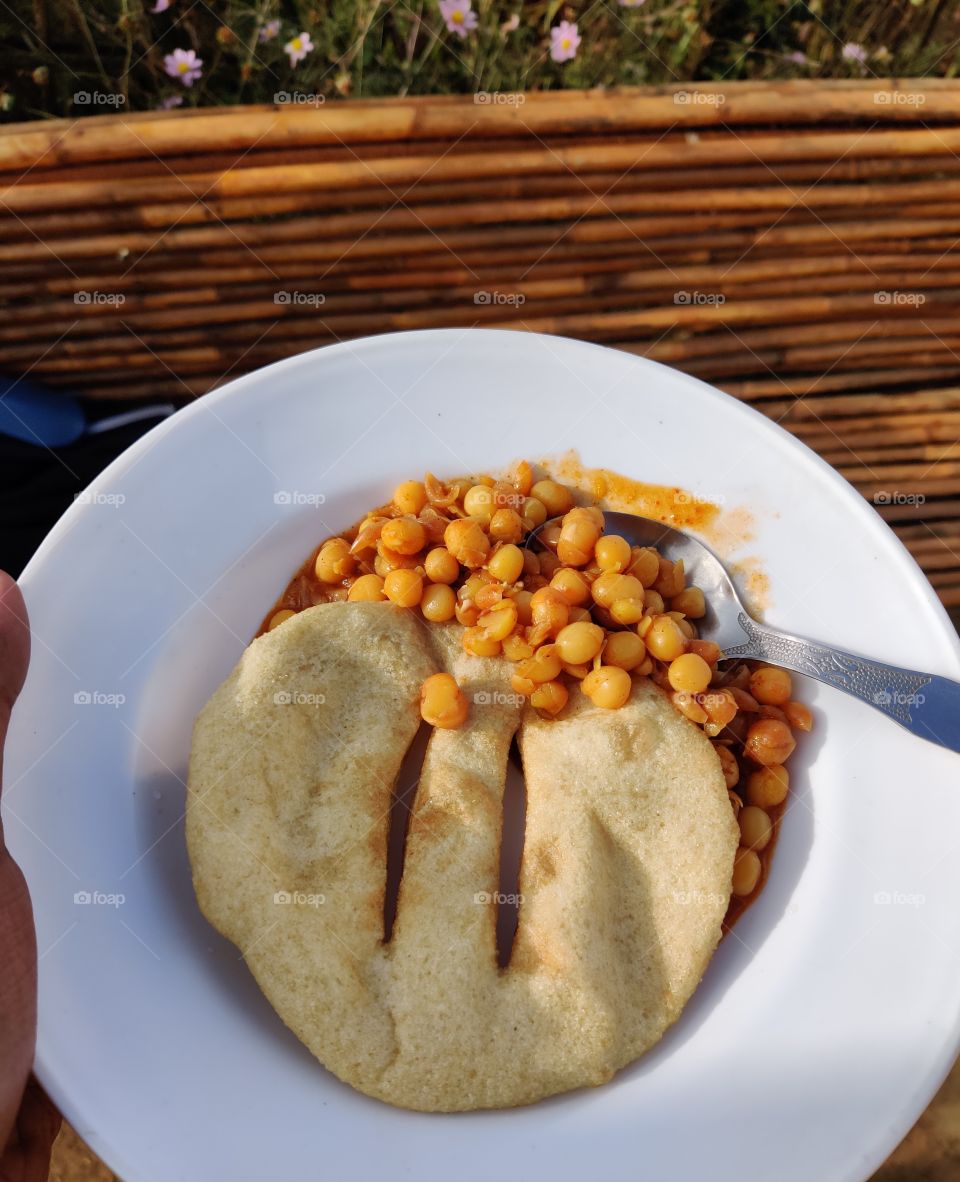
[(924, 703)]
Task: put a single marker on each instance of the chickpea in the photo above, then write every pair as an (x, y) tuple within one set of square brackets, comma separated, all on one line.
[(543, 666), (534, 511), (571, 585), (521, 477), (438, 603), (613, 553), (334, 561), (579, 643), (707, 649), (531, 563), (627, 611), (645, 566), (609, 686), (578, 537), (480, 502), (500, 621), (771, 686), (653, 602), (442, 702), (665, 641), (721, 709), (441, 566), (623, 649), (549, 610), (768, 787), (279, 618), (367, 589), (506, 564), (550, 696), (798, 716), (410, 496), (690, 602), (610, 586), (506, 526), (403, 587), (477, 643), (689, 707), (467, 542), (769, 741), (404, 535), (523, 599), (746, 873), (388, 560), (556, 499), (756, 828), (728, 765), (515, 648), (689, 673)]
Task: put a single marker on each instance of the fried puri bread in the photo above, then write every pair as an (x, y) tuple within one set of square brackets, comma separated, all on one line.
[(628, 854)]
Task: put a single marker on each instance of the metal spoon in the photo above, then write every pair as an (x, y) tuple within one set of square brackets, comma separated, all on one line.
[(924, 703)]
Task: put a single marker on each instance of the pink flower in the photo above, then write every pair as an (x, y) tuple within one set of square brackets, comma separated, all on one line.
[(268, 31), (298, 48), (458, 16), (161, 6), (171, 101), (184, 65), (564, 40), (852, 52), (798, 58)]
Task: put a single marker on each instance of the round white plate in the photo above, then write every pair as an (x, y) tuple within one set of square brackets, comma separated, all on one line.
[(825, 1022)]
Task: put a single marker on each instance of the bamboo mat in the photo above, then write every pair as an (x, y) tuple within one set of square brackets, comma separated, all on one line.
[(794, 243)]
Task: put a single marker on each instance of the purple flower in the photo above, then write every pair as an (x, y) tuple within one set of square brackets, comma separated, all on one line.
[(184, 65), (298, 47), (798, 58), (268, 31), (564, 40), (458, 16), (171, 101), (161, 6), (852, 52)]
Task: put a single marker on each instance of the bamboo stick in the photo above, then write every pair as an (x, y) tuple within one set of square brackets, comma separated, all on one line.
[(678, 151), (62, 142)]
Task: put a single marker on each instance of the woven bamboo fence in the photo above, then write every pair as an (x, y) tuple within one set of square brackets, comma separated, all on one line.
[(794, 243)]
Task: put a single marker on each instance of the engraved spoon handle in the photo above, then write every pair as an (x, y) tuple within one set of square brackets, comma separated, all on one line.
[(924, 703)]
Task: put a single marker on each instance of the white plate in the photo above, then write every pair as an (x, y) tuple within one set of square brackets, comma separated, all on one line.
[(822, 1027)]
